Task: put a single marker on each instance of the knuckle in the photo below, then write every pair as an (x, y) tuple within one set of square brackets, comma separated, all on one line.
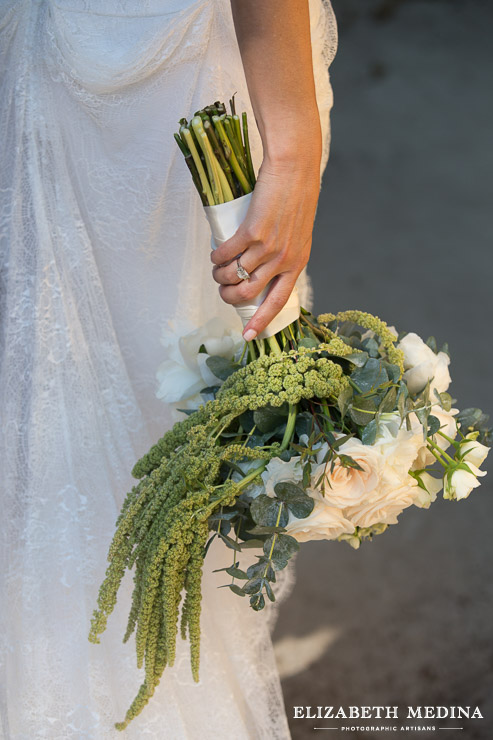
[(244, 291), (252, 235), (278, 301)]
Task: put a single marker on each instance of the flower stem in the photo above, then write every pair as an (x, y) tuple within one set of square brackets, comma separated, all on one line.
[(442, 452), (274, 345), (438, 457), (230, 155), (248, 153), (200, 167)]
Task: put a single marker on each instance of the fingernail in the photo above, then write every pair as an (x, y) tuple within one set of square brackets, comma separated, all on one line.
[(249, 334)]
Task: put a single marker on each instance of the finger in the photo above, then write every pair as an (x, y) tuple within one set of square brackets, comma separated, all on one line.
[(244, 238), (275, 300), (246, 290), (251, 259)]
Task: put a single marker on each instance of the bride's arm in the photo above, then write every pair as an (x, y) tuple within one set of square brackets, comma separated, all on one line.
[(276, 236)]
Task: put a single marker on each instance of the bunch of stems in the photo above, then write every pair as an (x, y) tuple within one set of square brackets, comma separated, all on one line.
[(216, 148)]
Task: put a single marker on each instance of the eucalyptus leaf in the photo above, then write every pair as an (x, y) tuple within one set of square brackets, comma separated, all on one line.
[(221, 367), (445, 400), (269, 591), (230, 542), (369, 433), (304, 423), (298, 502), (236, 573), (253, 586), (262, 569), (269, 418), (393, 371), (279, 563), (251, 543), (309, 343), (265, 530), (358, 359), (370, 376), (388, 402), (433, 425), (284, 546), (257, 602), (371, 346), (344, 400), (362, 410), (265, 510)]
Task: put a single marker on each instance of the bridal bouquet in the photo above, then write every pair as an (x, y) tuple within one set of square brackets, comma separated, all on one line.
[(323, 427)]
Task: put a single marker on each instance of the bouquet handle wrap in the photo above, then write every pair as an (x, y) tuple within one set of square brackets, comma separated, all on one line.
[(224, 220)]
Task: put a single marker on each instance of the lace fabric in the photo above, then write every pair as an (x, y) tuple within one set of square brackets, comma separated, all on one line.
[(102, 240)]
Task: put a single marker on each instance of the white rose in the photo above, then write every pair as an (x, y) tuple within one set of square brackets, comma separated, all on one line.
[(278, 471), (422, 364), (425, 496), (461, 482), (185, 372), (391, 422), (398, 454), (385, 507), (324, 523), (473, 451), (346, 486)]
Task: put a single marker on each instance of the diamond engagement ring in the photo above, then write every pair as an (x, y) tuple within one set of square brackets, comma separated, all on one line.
[(240, 270)]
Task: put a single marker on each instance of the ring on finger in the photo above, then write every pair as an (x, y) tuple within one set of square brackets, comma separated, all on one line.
[(240, 270)]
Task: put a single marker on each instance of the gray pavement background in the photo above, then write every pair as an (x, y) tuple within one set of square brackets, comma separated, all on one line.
[(404, 229)]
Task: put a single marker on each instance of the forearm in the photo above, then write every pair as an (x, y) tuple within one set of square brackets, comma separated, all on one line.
[(275, 46)]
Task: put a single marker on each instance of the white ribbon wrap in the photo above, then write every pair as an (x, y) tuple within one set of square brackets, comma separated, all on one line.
[(224, 220)]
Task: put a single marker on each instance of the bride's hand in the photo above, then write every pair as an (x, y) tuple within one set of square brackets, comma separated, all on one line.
[(275, 238)]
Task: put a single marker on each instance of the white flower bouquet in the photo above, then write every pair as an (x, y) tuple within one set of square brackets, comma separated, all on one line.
[(326, 427)]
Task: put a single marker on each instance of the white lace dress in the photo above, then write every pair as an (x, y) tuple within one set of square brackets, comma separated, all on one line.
[(102, 240)]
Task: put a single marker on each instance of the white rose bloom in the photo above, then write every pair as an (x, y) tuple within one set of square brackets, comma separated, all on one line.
[(324, 523), (278, 471), (461, 482), (423, 498), (383, 508), (391, 422), (398, 453), (184, 373), (422, 364), (473, 451), (346, 486)]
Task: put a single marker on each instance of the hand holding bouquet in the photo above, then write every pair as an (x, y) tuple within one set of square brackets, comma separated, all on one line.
[(327, 427)]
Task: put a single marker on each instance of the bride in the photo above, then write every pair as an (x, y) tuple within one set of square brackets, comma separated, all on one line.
[(103, 241)]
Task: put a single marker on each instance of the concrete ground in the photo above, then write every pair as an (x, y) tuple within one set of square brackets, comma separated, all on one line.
[(404, 230)]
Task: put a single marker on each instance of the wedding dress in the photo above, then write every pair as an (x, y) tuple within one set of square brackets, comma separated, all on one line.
[(103, 239)]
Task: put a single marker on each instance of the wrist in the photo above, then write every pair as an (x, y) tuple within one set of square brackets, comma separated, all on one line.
[(297, 142)]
